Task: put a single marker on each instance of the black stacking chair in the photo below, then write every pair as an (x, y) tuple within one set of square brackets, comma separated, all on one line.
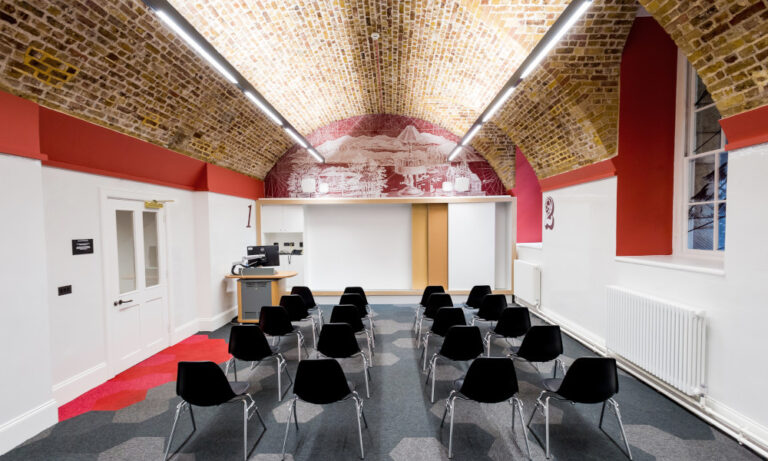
[(275, 321), (350, 314), (462, 343), (429, 290), (488, 380), (588, 380), (204, 384), (476, 295), (298, 312), (359, 301), (513, 323), (248, 343), (337, 341), (322, 382), (434, 302), (446, 318), (309, 301), (542, 343), (490, 308)]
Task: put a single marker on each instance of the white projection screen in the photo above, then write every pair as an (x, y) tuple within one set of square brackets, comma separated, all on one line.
[(357, 245)]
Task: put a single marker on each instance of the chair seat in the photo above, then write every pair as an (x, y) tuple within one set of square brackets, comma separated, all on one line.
[(239, 387), (552, 384)]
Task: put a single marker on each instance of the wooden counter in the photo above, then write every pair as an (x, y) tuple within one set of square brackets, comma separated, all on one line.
[(252, 296)]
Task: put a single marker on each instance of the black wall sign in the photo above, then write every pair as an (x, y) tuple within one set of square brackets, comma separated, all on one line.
[(82, 246)]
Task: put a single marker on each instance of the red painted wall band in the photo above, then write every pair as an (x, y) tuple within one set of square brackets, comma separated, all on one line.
[(63, 141), (528, 193), (589, 173), (645, 165), (746, 129)]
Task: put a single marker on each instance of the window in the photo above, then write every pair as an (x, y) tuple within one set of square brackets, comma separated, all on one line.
[(705, 171)]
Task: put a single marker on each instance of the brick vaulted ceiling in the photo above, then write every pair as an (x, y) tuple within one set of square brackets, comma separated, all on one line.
[(441, 60)]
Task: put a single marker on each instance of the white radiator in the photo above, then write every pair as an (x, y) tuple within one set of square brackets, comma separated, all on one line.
[(664, 338), (527, 283)]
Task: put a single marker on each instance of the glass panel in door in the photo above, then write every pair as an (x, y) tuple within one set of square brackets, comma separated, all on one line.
[(126, 256), (151, 264)]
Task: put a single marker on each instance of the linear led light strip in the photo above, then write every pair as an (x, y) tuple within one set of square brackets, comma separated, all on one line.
[(569, 17), (257, 100)]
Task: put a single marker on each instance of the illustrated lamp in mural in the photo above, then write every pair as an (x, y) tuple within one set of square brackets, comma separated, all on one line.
[(409, 167)]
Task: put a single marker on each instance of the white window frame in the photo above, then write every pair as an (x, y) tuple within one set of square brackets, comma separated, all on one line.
[(684, 140)]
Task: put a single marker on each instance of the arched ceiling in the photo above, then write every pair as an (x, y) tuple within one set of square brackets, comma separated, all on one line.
[(726, 41), (440, 60)]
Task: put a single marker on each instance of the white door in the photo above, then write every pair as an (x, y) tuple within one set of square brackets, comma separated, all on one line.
[(137, 302)]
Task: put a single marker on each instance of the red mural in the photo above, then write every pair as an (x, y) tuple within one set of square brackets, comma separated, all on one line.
[(382, 156)]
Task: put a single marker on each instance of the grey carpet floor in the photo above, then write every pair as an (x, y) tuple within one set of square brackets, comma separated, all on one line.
[(403, 424)]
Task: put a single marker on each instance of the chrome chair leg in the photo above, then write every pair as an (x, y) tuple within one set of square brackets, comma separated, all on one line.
[(487, 344), (450, 430), (615, 407), (517, 404), (291, 412), (179, 408), (226, 368), (359, 413), (433, 369), (425, 345)]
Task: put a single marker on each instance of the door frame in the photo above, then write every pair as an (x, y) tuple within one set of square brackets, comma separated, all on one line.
[(106, 194)]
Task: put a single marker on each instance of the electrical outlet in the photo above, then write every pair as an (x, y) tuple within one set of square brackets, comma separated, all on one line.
[(65, 290)]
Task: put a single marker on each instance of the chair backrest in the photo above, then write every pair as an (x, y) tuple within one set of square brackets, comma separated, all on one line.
[(462, 342), (542, 343), (357, 290), (247, 342), (275, 321), (446, 318), (435, 302), (590, 380), (491, 307), (513, 322), (476, 295), (431, 289), (356, 300), (306, 295), (320, 381), (203, 384), (349, 314), (294, 304), (490, 380), (337, 340)]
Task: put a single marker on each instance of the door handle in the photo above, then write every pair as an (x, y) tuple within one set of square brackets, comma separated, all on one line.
[(121, 302)]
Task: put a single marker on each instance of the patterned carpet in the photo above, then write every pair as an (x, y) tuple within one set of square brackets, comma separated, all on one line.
[(129, 417)]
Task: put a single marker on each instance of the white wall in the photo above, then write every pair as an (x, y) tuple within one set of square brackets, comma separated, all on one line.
[(578, 261), (72, 204), (26, 401), (206, 233), (471, 245), (361, 245), (227, 237)]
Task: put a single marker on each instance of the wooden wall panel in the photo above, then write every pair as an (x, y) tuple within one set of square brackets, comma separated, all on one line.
[(419, 245), (437, 244)]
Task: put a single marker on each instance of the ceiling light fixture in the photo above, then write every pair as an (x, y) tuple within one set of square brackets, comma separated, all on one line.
[(317, 157), (196, 46), (299, 140), (468, 137), (267, 111), (454, 153), (567, 19), (497, 105), (552, 41)]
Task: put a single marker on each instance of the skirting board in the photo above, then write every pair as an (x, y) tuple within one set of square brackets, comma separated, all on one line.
[(217, 321), (27, 425), (743, 429), (184, 331), (77, 385)]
